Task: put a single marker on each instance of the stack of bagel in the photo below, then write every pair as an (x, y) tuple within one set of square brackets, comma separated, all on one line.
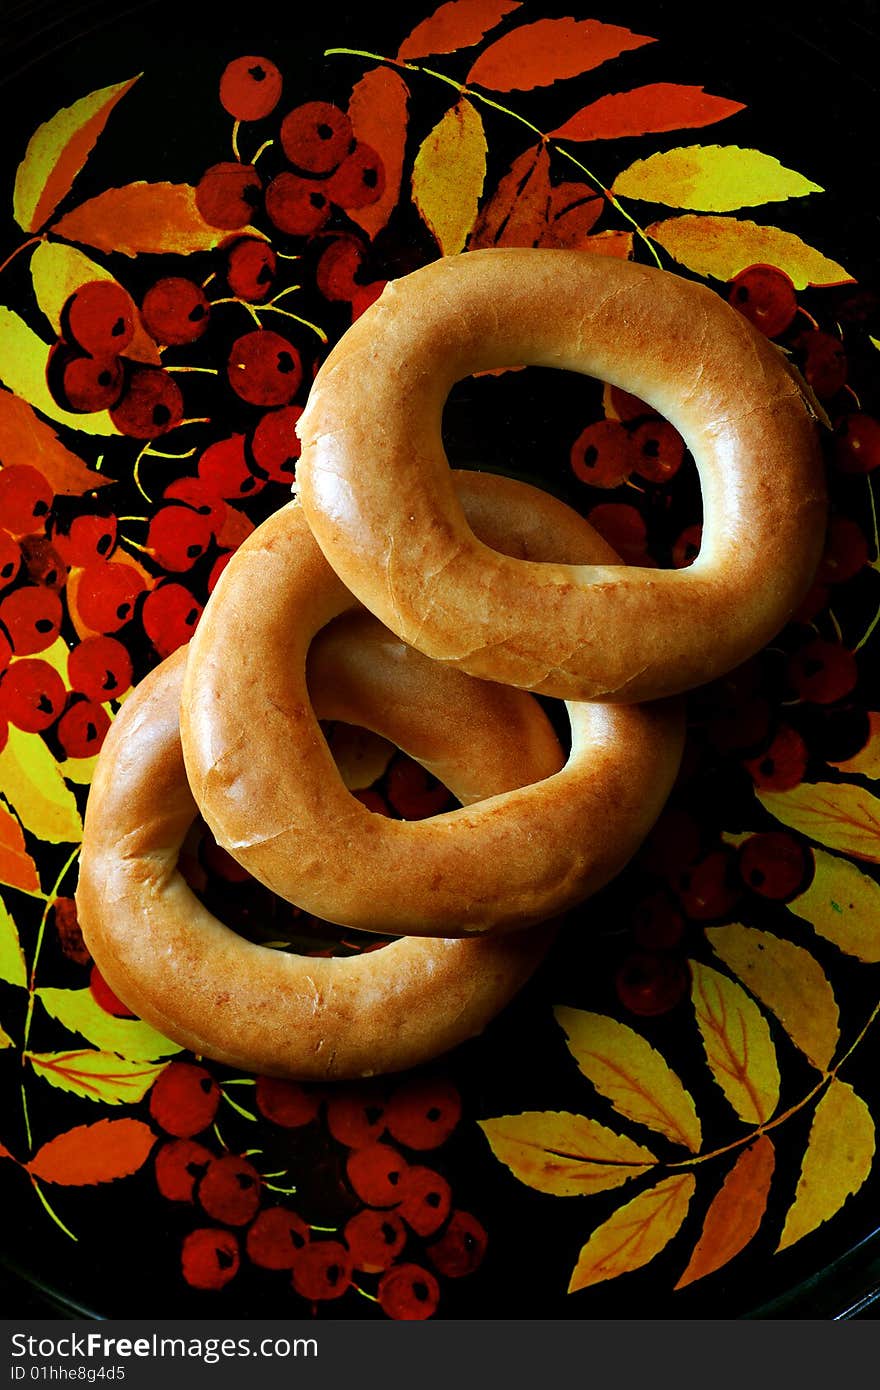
[(431, 607)]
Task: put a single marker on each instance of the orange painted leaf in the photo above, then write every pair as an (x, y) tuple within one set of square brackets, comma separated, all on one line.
[(12, 963), (563, 1154), (788, 980), (448, 174), (457, 24), (610, 243), (736, 1211), (57, 151), (841, 816), (17, 868), (842, 904), (739, 1048), (95, 1153), (720, 247), (378, 113), (572, 212), (634, 1077), (646, 110), (152, 218), (57, 271), (839, 1155), (636, 1232), (100, 1076), (25, 438), (549, 50), (516, 214)]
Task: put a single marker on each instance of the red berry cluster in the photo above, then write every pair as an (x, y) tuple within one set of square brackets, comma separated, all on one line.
[(399, 1231)]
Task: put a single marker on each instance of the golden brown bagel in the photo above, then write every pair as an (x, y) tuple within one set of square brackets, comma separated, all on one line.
[(265, 782), (377, 491), (249, 1006)]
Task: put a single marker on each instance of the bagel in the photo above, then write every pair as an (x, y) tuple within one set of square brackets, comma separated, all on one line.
[(378, 495), (264, 780), (257, 1008)]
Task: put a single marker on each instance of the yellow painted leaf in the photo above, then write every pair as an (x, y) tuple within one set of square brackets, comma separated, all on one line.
[(58, 271), (636, 1232), (17, 868), (720, 247), (448, 175), (23, 358), (12, 964), (25, 438), (736, 1211), (866, 763), (361, 756), (563, 1154), (80, 771), (711, 178), (155, 218), (789, 981), (739, 1048), (100, 1076), (634, 1077), (79, 1011), (838, 815), (838, 1159), (378, 111), (842, 904), (5, 1041), (57, 151), (32, 784)]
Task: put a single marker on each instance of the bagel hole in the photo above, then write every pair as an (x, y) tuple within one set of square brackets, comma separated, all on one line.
[(632, 477)]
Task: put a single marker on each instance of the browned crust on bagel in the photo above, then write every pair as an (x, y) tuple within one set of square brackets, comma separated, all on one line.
[(378, 494)]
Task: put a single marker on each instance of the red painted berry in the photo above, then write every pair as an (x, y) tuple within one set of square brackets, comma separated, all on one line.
[(82, 383), (286, 1103), (250, 88), (179, 1165), (106, 595), (657, 923), (184, 1099), (408, 1293), (649, 984), (356, 1114), (175, 310), (422, 1114), (687, 547), (275, 445), (100, 668), (658, 450), (105, 997), (88, 538), (337, 268), (223, 468), (209, 1258), (601, 456), (316, 136), (857, 443), (100, 318), (846, 551), (825, 367), (170, 615), (773, 864), (25, 499), (32, 695), (822, 672), (276, 1238), (375, 1239), (150, 406), (228, 194), (322, 1270), (425, 1199), (32, 617), (413, 792), (783, 764), (83, 728), (622, 405), (359, 180), (264, 368), (251, 267), (296, 205), (375, 1172), (43, 562), (709, 888), (217, 569), (623, 527), (460, 1249), (178, 537), (672, 845), (70, 935), (10, 558), (373, 800), (6, 652), (230, 1190), (197, 495), (766, 297)]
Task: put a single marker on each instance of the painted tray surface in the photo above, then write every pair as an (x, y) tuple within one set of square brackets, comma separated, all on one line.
[(677, 1116)]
